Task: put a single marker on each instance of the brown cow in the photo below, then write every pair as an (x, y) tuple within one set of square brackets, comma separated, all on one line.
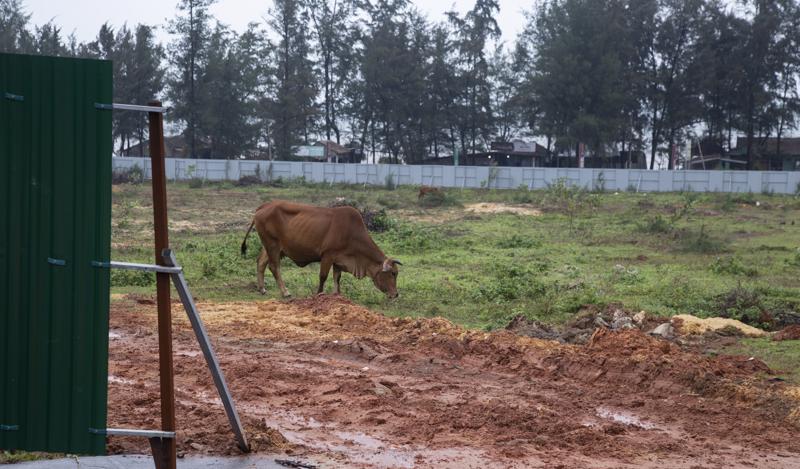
[(335, 237)]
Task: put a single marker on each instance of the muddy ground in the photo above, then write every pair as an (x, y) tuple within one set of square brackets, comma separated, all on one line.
[(326, 381)]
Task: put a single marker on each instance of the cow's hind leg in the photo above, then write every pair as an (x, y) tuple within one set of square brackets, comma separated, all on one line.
[(275, 267), (263, 259), (324, 268)]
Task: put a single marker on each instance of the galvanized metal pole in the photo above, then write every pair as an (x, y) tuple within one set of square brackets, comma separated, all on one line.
[(208, 350), (164, 451)]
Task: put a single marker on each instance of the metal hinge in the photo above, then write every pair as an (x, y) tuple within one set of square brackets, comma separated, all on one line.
[(60, 262), (9, 428), (105, 107), (14, 97)]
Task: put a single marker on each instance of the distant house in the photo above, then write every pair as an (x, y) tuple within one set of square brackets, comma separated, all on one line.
[(765, 156), (175, 147), (765, 153), (515, 153), (709, 154), (327, 151)]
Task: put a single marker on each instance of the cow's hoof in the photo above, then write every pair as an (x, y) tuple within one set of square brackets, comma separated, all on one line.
[(263, 291), (287, 295)]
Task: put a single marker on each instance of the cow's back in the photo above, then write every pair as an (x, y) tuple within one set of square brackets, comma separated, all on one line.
[(305, 232)]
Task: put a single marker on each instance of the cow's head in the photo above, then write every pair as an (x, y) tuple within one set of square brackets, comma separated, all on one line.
[(386, 278)]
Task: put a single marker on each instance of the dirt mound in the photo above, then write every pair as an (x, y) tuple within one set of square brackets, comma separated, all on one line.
[(689, 325), (327, 380), (521, 325), (788, 333)]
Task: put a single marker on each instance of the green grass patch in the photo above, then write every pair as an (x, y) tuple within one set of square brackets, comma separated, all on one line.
[(662, 253), (781, 356)]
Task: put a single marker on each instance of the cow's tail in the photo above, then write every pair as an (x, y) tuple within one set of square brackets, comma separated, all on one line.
[(244, 242)]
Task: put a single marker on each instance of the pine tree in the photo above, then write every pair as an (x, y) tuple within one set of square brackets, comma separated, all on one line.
[(14, 34), (331, 20), (292, 109), (187, 57)]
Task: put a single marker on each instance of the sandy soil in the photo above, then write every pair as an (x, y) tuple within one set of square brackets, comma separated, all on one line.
[(324, 380), (488, 207)]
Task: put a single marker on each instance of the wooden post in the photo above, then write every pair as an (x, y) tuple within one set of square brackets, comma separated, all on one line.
[(166, 451)]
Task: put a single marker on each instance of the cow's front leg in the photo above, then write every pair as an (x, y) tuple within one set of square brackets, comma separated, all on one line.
[(337, 275), (262, 267), (324, 268)]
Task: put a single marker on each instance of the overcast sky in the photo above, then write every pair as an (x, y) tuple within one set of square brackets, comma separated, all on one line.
[(84, 17)]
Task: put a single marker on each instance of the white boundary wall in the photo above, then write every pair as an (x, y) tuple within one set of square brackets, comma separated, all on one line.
[(778, 182)]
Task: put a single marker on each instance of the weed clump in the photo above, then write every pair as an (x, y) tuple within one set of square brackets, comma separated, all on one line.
[(377, 221), (437, 199), (248, 180), (131, 278), (745, 305), (732, 265), (132, 175), (568, 199), (510, 282), (517, 241)]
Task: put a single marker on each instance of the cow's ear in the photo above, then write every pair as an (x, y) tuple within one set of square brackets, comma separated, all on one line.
[(395, 261), (387, 265)]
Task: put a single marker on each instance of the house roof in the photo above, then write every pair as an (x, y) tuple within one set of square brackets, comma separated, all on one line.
[(333, 147), (789, 146)]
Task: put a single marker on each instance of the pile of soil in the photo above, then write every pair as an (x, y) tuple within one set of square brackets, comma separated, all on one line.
[(693, 325), (788, 333), (326, 380)]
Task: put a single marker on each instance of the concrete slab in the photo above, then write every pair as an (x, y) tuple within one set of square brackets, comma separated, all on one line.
[(146, 462)]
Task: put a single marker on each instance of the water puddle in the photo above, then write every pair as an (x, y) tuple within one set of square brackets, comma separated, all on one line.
[(625, 418), (118, 380)]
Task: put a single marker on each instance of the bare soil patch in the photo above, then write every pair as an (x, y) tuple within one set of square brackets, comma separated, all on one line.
[(489, 207), (327, 380), (788, 333)]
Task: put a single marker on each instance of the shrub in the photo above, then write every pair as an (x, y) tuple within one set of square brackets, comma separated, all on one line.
[(437, 199), (744, 198), (702, 242), (655, 224), (404, 238), (518, 241), (132, 175), (794, 260), (626, 275), (196, 183), (743, 304), (131, 278), (732, 265), (569, 199), (377, 221), (389, 183), (510, 282), (249, 180)]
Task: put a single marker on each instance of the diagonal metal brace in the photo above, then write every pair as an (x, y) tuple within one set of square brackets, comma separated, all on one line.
[(205, 345), (135, 266), (131, 432)]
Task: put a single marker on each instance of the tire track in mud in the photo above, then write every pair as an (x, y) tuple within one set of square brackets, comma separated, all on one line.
[(324, 379)]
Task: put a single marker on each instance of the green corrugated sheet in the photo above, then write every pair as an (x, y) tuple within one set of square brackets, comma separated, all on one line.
[(55, 202)]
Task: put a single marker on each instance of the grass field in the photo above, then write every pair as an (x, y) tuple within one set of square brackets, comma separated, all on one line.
[(704, 254)]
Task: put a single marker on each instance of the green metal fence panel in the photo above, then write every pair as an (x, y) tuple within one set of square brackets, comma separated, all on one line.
[(55, 219)]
